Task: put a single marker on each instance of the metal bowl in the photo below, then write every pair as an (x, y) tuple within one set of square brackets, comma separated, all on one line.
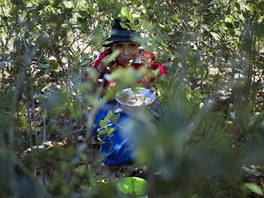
[(136, 97)]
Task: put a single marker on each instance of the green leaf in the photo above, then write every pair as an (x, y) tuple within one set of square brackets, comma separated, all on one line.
[(110, 131), (24, 122), (254, 188), (229, 19), (124, 11), (205, 26), (111, 57), (132, 186), (249, 8), (237, 5), (215, 36), (103, 123), (115, 117), (100, 140), (44, 65)]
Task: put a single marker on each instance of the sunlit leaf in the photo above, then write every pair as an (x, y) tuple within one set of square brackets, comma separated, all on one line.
[(125, 12), (205, 26), (115, 117), (215, 36), (132, 186), (24, 122), (254, 188)]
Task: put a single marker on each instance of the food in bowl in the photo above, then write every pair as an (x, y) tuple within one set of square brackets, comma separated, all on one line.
[(135, 97)]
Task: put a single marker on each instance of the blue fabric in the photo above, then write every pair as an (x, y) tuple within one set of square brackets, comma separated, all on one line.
[(115, 149), (118, 149)]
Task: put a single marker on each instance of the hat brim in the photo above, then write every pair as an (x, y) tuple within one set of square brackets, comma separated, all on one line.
[(122, 36), (112, 39)]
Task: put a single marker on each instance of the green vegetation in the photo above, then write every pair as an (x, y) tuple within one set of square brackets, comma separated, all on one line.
[(212, 123)]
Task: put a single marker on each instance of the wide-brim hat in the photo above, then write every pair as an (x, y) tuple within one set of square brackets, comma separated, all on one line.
[(120, 34)]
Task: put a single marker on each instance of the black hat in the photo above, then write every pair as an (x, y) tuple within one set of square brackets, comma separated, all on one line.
[(118, 33)]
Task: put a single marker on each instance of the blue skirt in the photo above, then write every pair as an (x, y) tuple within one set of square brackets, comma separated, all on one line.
[(117, 148)]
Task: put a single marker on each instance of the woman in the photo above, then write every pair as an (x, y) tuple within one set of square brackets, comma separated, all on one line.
[(117, 149)]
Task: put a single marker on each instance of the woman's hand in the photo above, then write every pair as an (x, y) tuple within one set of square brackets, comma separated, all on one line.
[(153, 89), (106, 65), (145, 82)]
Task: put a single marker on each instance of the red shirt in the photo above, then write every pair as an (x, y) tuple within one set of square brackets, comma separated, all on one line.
[(146, 57)]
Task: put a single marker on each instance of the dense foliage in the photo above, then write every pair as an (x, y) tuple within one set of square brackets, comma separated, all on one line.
[(212, 123)]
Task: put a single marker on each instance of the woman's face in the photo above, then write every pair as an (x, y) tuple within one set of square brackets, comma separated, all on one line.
[(128, 52)]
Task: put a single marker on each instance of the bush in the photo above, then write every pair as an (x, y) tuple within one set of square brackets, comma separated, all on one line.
[(211, 124)]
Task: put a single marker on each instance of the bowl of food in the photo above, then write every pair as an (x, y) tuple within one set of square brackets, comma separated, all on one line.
[(135, 97)]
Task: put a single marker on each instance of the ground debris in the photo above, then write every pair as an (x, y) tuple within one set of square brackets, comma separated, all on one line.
[(254, 174)]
